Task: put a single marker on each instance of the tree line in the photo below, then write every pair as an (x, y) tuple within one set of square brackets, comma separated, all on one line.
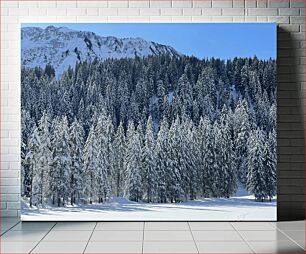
[(155, 129)]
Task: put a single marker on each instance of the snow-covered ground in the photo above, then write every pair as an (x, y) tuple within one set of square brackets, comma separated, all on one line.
[(239, 208)]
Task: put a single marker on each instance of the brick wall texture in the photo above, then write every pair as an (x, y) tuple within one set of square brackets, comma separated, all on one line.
[(289, 14)]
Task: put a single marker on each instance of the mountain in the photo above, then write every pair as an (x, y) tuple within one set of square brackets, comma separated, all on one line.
[(63, 47)]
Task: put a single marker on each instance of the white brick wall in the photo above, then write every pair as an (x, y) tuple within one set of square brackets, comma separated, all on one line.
[(288, 13)]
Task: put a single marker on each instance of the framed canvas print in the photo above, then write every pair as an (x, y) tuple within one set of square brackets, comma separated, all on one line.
[(148, 122)]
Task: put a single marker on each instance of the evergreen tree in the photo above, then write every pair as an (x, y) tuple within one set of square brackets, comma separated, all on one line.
[(134, 166), (203, 137), (149, 163), (119, 156), (226, 158), (32, 160), (216, 168), (256, 182), (27, 125), (270, 164), (90, 160), (59, 186), (189, 159), (104, 132), (162, 160), (76, 173), (45, 158), (174, 188), (242, 128)]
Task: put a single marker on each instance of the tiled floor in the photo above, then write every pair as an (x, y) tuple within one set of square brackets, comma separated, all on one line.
[(152, 237)]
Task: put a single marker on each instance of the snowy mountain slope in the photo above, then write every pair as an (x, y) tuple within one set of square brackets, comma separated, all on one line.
[(63, 47)]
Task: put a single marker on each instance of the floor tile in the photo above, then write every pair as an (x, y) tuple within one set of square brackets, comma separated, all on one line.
[(276, 247), (114, 247), (33, 226), (22, 236), (221, 226), (17, 247), (3, 230), (216, 236), (107, 236), (5, 226), (69, 236), (301, 243), (60, 247), (169, 247), (223, 247), (253, 226), (168, 236), (297, 235), (274, 235), (291, 225), (166, 226), (119, 226), (63, 226)]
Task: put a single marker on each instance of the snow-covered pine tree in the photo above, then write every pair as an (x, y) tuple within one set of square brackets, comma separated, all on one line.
[(133, 112), (216, 172), (130, 131), (134, 186), (241, 128), (272, 118), (209, 160), (256, 182), (162, 160), (244, 78), (61, 162), (150, 179), (174, 188), (201, 133), (32, 160), (105, 156), (90, 166), (185, 94), (76, 173), (104, 185), (161, 93), (255, 89), (27, 125), (207, 81), (45, 157), (128, 140), (110, 134), (208, 109), (262, 110), (226, 158), (190, 155), (119, 156), (270, 164)]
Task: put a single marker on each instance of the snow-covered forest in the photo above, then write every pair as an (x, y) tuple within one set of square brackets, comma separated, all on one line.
[(157, 129)]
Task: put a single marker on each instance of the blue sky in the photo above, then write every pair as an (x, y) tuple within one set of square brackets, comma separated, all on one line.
[(219, 40)]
